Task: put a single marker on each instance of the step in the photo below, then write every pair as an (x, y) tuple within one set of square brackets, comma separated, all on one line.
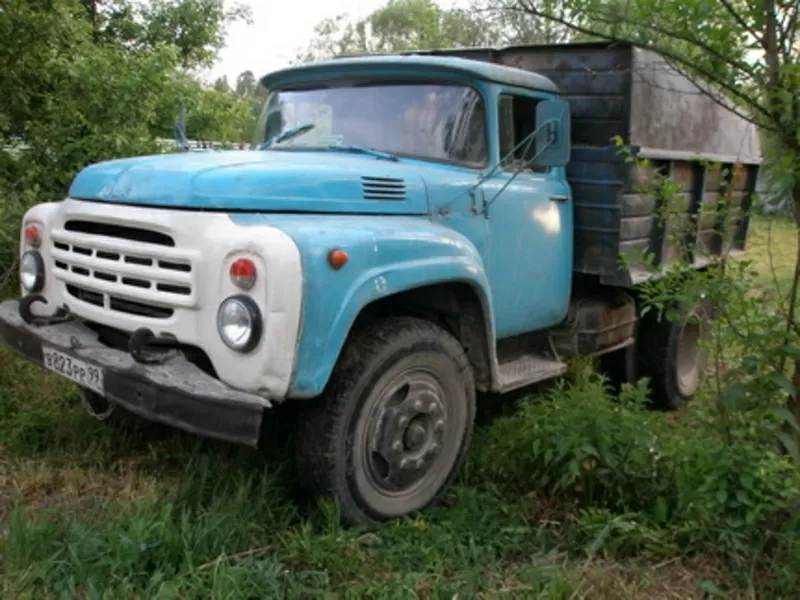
[(527, 369)]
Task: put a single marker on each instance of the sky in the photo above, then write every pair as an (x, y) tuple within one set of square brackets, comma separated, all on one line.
[(280, 29)]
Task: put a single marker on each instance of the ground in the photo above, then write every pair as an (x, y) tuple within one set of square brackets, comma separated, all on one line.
[(88, 510)]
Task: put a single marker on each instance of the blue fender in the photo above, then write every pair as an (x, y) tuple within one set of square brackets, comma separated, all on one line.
[(387, 255)]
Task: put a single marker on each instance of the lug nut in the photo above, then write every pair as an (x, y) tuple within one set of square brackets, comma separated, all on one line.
[(404, 463), (397, 446), (418, 405), (439, 425)]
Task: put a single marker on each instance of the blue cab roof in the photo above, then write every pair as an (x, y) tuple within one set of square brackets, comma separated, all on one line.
[(416, 64)]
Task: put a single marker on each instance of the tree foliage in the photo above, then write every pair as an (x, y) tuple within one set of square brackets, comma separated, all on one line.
[(195, 28), (745, 50), (90, 80), (403, 25)]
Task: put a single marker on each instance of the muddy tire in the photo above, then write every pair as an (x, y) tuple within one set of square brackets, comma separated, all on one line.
[(671, 354), (390, 433)]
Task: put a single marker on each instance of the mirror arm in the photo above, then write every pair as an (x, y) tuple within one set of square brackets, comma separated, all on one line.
[(529, 139), (526, 141)]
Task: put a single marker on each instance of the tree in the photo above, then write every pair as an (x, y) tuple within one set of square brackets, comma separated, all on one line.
[(195, 27), (246, 83), (221, 84), (403, 25), (521, 28), (90, 80)]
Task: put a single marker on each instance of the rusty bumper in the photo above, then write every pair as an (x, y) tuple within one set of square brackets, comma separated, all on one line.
[(176, 392)]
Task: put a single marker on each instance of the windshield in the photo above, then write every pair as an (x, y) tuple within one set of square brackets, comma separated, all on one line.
[(420, 120)]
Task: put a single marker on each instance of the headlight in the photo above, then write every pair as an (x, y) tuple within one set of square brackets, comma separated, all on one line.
[(31, 271), (239, 323)]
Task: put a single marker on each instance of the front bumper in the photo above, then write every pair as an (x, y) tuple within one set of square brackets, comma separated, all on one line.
[(176, 392)]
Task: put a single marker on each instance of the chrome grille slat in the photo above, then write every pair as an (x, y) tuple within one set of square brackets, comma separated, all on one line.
[(125, 276), (149, 296), (120, 268), (113, 245)]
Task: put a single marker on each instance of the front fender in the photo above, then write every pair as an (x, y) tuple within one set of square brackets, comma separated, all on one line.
[(388, 255)]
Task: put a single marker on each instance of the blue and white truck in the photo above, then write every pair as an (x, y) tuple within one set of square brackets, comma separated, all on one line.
[(408, 231)]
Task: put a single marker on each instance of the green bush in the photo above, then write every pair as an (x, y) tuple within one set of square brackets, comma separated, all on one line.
[(731, 495), (580, 444), (640, 481)]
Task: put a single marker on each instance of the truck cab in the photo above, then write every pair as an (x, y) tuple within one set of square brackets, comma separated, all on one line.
[(406, 232)]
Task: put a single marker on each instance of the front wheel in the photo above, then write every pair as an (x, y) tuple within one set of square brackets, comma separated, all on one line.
[(390, 433)]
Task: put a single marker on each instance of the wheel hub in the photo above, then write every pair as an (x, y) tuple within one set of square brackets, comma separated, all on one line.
[(408, 435), (691, 358), (415, 436)]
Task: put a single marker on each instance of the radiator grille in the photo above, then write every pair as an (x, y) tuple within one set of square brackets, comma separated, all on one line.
[(123, 269)]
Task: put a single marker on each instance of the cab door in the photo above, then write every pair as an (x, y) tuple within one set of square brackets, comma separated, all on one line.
[(530, 230)]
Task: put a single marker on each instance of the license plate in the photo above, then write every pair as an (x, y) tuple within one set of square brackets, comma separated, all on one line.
[(76, 370)]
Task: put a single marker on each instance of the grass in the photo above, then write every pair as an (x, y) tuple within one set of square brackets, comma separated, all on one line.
[(88, 510), (772, 246)]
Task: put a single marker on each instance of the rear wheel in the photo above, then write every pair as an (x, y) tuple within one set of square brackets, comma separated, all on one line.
[(673, 355), (390, 433)]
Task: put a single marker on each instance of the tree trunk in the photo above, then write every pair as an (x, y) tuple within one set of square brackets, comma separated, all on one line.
[(794, 401)]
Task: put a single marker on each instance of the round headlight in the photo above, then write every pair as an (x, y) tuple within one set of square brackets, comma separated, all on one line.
[(31, 272), (239, 323)]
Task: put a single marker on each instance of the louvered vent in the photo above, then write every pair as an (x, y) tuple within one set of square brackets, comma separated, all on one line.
[(383, 188)]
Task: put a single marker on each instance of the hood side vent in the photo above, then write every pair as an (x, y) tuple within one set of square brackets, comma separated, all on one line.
[(383, 188)]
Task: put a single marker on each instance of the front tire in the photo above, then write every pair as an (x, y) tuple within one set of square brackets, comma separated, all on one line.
[(391, 431)]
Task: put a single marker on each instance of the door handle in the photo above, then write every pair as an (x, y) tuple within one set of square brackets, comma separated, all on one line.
[(559, 197)]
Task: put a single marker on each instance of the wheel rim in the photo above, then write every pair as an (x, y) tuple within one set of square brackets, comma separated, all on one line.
[(692, 356), (408, 442)]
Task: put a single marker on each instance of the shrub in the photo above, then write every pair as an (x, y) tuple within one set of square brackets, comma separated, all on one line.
[(730, 495), (582, 445), (644, 483)]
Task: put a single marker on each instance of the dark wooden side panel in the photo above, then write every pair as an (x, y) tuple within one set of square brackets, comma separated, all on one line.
[(595, 80), (669, 112), (598, 178), (740, 236), (707, 238)]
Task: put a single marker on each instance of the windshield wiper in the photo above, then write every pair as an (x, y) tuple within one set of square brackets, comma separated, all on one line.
[(363, 150), (287, 135)]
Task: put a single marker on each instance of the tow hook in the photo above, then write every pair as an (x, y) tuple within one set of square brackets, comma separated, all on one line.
[(59, 316), (148, 349), (97, 406)]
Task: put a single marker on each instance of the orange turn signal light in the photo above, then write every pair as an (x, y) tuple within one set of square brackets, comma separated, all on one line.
[(338, 258)]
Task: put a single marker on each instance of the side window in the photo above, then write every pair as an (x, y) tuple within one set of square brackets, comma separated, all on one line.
[(517, 121), (466, 138)]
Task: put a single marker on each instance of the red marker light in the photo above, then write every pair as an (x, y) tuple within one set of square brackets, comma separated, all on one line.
[(338, 258), (33, 236), (243, 273)]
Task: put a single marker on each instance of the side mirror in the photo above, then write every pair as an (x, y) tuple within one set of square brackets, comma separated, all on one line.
[(553, 138)]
